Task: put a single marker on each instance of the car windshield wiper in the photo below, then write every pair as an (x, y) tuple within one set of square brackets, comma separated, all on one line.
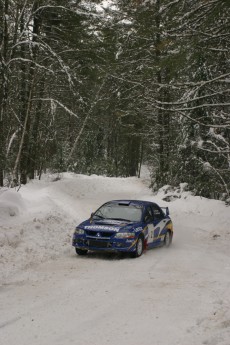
[(122, 219), (97, 215)]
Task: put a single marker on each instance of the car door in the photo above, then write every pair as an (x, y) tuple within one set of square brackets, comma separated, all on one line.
[(159, 222), (149, 221)]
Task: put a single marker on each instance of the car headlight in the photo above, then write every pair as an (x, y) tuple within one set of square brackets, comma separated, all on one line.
[(79, 231), (125, 235)]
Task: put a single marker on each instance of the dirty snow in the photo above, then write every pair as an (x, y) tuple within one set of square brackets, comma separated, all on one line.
[(48, 295)]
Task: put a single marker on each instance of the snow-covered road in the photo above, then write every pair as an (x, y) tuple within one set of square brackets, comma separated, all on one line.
[(48, 295)]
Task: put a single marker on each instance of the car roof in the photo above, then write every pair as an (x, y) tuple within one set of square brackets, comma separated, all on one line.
[(131, 202)]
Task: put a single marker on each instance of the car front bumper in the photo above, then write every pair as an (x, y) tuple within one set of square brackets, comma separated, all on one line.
[(111, 245)]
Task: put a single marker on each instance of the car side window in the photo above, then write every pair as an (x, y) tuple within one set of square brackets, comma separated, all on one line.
[(157, 212), (148, 215)]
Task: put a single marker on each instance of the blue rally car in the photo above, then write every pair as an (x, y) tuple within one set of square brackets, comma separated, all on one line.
[(124, 226)]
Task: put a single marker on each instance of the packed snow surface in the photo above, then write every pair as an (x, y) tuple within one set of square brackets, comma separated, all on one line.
[(49, 295)]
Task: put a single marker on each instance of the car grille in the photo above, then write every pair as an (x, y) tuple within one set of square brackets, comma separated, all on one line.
[(106, 234), (98, 244)]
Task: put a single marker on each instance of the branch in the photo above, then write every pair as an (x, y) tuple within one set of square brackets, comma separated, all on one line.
[(86, 119), (57, 102), (31, 61)]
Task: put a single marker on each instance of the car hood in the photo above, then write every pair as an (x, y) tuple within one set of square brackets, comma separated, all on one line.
[(108, 225)]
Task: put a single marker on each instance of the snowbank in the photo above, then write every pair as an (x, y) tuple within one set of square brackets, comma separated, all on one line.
[(11, 203)]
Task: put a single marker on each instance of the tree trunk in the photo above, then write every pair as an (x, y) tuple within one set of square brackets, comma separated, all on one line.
[(4, 89), (28, 77), (34, 152)]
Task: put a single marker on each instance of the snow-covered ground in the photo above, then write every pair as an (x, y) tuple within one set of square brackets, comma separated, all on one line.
[(48, 295)]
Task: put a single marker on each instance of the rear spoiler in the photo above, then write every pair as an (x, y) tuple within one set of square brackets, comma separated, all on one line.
[(165, 210)]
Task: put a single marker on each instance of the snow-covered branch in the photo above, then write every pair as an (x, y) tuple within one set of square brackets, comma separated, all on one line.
[(19, 59), (69, 111)]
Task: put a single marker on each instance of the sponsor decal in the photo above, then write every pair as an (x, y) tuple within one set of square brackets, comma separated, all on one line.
[(138, 229), (101, 227)]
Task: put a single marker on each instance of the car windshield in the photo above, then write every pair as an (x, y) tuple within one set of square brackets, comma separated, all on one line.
[(131, 213)]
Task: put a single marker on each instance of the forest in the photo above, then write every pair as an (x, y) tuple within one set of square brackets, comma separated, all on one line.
[(103, 87)]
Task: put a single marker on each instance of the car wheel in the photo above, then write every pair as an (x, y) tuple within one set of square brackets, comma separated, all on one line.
[(81, 251), (168, 238), (139, 247)]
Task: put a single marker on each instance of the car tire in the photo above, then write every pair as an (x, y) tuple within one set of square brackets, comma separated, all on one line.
[(168, 238), (139, 248), (81, 251)]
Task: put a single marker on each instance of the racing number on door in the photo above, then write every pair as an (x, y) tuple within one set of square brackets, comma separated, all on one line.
[(149, 220), (150, 233)]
